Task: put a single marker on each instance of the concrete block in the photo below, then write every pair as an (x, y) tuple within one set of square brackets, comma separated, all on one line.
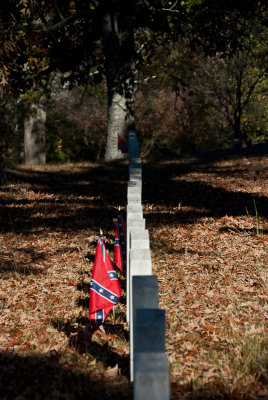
[(135, 222), (131, 134), (132, 183), (134, 187), (139, 263), (132, 139), (149, 331), (135, 160), (135, 175), (144, 295), (134, 211), (136, 230), (135, 171), (145, 292), (134, 194), (136, 178), (137, 215), (134, 191), (131, 223), (133, 164), (151, 379), (139, 238), (134, 199), (133, 149)]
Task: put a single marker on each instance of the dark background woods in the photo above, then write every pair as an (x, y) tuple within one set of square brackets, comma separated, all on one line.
[(193, 76)]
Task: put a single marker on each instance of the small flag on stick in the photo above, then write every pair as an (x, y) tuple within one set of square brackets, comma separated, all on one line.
[(120, 243), (122, 145), (105, 289)]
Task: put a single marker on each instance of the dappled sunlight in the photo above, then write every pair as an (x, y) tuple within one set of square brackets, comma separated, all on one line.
[(209, 251)]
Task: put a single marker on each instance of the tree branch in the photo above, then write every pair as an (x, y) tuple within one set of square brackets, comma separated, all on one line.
[(59, 25)]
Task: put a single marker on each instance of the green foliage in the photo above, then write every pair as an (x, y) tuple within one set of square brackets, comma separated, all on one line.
[(190, 4), (173, 39), (255, 120), (66, 142), (208, 100), (76, 130)]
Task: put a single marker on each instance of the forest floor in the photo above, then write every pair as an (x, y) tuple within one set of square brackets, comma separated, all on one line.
[(208, 224)]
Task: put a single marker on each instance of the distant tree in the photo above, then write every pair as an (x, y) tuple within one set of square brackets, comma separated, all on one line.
[(235, 81), (82, 37)]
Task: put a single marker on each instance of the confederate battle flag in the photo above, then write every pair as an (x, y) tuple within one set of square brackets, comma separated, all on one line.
[(122, 145), (120, 243), (105, 290)]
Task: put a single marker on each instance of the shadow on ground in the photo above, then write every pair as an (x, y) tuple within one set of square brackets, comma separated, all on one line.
[(88, 197), (69, 200), (161, 188), (80, 336), (46, 377)]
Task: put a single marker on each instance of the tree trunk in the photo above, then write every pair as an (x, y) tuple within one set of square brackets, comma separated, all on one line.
[(237, 125), (34, 136), (118, 43), (19, 131), (238, 109)]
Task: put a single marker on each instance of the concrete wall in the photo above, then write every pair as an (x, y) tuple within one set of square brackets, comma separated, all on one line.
[(149, 369)]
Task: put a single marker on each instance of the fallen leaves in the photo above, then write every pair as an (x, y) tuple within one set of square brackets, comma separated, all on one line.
[(47, 229), (213, 278), (207, 253)]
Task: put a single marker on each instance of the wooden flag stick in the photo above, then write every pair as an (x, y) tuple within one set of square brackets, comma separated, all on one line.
[(114, 314)]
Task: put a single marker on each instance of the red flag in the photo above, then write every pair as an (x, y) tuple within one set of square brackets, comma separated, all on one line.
[(105, 290), (122, 145), (120, 243)]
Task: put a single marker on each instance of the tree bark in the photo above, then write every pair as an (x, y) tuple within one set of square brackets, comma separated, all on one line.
[(118, 44), (19, 131), (34, 136)]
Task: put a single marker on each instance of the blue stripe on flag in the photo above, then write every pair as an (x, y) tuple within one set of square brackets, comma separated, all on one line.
[(99, 316), (102, 248), (112, 275), (105, 293)]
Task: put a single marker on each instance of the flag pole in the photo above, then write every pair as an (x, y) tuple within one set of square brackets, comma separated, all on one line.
[(115, 306), (114, 313)]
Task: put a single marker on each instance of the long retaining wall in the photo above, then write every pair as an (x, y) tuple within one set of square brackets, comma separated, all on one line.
[(149, 369)]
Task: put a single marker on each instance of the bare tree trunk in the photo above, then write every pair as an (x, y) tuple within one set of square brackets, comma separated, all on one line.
[(118, 42), (116, 126), (34, 136), (237, 125)]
